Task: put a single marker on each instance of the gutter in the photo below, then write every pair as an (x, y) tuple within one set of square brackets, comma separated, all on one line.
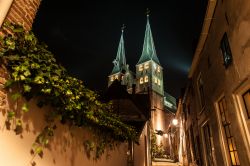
[(203, 36), (4, 9)]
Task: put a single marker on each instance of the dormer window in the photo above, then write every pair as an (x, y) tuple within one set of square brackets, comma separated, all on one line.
[(146, 79), (141, 80), (146, 65), (159, 82), (140, 67)]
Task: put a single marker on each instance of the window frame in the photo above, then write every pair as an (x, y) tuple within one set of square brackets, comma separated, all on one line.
[(226, 51), (225, 128), (141, 80)]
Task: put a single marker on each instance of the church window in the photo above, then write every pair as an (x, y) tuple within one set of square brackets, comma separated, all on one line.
[(116, 77), (155, 80), (146, 65), (146, 79), (140, 67), (111, 78), (158, 69), (141, 80), (159, 82)]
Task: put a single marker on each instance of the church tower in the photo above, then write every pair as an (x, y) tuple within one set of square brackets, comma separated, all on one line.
[(149, 74), (121, 70), (149, 79)]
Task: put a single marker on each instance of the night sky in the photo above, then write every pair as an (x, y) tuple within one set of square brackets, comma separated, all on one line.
[(84, 36)]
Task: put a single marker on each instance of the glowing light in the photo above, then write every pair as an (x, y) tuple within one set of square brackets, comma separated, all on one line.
[(146, 79), (146, 65), (175, 122), (165, 135), (141, 80), (140, 68)]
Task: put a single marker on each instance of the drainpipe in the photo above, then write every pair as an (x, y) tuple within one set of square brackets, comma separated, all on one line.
[(4, 8)]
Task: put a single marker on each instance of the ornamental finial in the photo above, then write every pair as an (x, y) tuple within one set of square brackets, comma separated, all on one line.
[(147, 12), (123, 27)]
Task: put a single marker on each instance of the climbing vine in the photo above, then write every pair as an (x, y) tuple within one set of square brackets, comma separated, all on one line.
[(34, 71)]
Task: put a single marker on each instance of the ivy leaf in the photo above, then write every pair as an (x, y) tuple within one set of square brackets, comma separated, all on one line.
[(18, 30), (16, 96), (25, 107), (11, 115), (8, 83), (18, 122), (27, 73), (39, 79), (26, 88), (38, 150), (22, 77)]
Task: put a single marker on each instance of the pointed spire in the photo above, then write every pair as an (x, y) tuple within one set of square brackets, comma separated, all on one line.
[(120, 60), (148, 52)]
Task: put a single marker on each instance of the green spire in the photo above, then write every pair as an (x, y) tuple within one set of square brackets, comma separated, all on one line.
[(120, 60), (148, 52)]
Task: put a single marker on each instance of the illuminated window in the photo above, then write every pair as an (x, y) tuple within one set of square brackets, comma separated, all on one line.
[(116, 77), (158, 69), (231, 146), (159, 82), (140, 67), (141, 80), (155, 80), (111, 78), (146, 79), (246, 98), (146, 65)]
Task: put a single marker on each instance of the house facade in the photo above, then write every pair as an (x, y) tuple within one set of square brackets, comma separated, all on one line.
[(215, 106)]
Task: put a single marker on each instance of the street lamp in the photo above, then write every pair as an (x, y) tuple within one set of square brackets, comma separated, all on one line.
[(175, 122)]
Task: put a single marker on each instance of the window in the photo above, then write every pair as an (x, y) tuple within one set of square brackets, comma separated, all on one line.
[(230, 141), (155, 80), (140, 67), (201, 91), (111, 78), (146, 65), (141, 80), (226, 51), (246, 98), (208, 144), (158, 69), (116, 77), (159, 82), (146, 79)]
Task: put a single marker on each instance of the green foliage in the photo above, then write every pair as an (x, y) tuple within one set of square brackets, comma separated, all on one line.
[(34, 70), (157, 151)]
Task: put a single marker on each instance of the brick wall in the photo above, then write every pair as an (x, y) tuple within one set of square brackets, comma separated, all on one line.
[(23, 12)]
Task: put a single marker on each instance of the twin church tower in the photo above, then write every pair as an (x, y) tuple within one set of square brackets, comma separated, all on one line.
[(148, 74)]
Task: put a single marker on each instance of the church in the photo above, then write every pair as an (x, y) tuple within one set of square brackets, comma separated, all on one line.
[(147, 80)]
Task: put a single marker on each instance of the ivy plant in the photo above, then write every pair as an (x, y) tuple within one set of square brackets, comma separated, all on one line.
[(34, 70)]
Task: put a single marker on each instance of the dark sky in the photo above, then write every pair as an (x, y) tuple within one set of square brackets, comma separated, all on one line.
[(84, 36)]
